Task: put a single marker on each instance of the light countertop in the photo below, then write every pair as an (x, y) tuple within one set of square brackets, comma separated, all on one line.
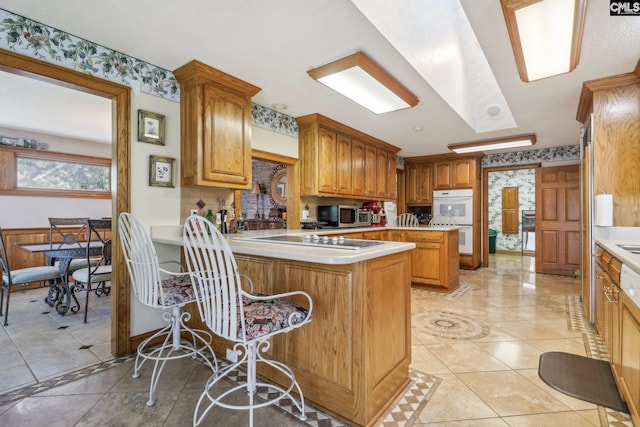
[(610, 237), (172, 235)]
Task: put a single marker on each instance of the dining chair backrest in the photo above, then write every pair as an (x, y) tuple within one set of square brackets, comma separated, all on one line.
[(215, 277), (98, 231), (56, 230), (407, 220), (141, 259), (4, 258)]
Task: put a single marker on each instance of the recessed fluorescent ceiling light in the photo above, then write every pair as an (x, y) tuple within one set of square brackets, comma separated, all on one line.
[(545, 35), (360, 79), (436, 38), (494, 144)]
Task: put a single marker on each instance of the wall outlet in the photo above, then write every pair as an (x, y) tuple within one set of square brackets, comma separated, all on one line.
[(193, 212), (232, 355)]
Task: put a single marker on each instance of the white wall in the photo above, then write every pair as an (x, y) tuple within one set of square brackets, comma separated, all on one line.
[(153, 205), (30, 211), (272, 142)]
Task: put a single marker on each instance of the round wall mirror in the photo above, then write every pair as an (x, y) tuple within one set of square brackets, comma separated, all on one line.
[(278, 187)]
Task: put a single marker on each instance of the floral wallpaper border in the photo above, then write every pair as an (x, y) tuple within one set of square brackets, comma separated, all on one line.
[(553, 154), (36, 40)]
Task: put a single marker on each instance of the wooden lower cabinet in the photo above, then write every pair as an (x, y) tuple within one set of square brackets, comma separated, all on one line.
[(434, 261), (629, 371), (617, 320), (353, 359)]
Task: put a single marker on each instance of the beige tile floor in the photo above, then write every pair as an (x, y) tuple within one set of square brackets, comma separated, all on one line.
[(489, 379)]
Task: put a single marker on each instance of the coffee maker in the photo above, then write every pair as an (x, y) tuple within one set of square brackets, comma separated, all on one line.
[(377, 214)]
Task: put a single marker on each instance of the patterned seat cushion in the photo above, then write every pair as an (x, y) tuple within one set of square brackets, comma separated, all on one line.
[(177, 290), (263, 317)]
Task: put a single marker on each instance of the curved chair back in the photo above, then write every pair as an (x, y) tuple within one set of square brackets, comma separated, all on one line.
[(141, 259), (407, 220), (215, 276)]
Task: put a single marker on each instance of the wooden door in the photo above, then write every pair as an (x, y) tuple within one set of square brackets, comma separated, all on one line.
[(510, 206), (558, 236), (390, 171)]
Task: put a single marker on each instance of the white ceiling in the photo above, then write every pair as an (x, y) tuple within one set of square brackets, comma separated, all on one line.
[(272, 44)]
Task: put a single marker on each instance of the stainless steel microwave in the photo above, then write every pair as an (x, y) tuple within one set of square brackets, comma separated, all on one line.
[(340, 216)]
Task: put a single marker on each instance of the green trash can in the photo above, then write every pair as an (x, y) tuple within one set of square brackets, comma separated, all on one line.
[(492, 241)]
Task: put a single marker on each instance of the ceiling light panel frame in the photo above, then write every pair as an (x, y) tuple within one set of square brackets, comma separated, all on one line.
[(362, 80), (541, 31), (494, 144)]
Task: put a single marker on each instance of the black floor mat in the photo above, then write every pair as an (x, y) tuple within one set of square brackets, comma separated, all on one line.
[(581, 377)]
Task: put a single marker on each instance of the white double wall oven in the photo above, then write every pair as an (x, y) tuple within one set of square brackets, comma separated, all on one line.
[(458, 205)]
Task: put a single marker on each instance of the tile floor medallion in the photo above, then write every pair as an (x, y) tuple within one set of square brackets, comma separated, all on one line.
[(450, 325)]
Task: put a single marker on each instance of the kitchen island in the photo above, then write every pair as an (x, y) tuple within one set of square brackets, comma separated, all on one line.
[(353, 359)]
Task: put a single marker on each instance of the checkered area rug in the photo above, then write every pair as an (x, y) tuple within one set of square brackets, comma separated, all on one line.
[(595, 349)]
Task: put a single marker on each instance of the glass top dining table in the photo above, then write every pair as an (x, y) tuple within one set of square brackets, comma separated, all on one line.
[(60, 295)]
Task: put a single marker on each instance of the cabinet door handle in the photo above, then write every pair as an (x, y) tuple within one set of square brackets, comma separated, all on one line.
[(608, 292)]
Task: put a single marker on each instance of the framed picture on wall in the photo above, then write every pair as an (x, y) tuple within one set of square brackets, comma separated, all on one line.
[(150, 127), (162, 171)]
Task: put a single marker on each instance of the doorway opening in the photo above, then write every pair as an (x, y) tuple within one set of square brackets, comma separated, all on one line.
[(120, 97), (509, 191)]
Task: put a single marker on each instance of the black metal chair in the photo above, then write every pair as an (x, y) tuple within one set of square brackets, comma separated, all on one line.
[(60, 232), (98, 273), (21, 277)]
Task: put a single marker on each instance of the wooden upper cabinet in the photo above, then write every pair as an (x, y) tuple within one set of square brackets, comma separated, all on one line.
[(336, 160), (419, 183), (459, 173), (358, 168), (215, 127), (344, 165), (371, 171), (328, 152)]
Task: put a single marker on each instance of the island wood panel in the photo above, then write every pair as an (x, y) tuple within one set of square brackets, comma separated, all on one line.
[(261, 271), (342, 359), (325, 348), (387, 337)]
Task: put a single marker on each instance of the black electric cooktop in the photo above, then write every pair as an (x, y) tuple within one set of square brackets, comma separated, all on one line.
[(333, 242)]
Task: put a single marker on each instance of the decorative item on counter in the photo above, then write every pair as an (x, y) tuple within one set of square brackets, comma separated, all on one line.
[(223, 221), (257, 191), (210, 218)]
